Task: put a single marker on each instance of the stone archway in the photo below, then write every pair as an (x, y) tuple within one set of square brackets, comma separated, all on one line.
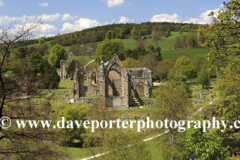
[(114, 81), (140, 89)]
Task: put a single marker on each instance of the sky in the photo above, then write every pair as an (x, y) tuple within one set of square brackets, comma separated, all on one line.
[(65, 16)]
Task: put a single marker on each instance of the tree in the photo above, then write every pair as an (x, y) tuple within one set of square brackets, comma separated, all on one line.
[(46, 106), (107, 48), (21, 52), (130, 63), (221, 38), (84, 49), (199, 61), (156, 36), (57, 53), (122, 32), (172, 102), (149, 46), (159, 55), (168, 33), (122, 143), (71, 69), (41, 40), (71, 132), (109, 34), (75, 49), (140, 44), (49, 79), (174, 59), (162, 69), (203, 77), (134, 33), (43, 50), (179, 43), (206, 145), (184, 66), (36, 62), (149, 61), (93, 47), (18, 82)]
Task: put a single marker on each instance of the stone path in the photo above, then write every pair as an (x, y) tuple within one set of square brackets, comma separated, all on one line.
[(135, 99), (89, 63)]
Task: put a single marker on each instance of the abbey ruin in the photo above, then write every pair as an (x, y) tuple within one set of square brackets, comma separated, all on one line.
[(110, 80)]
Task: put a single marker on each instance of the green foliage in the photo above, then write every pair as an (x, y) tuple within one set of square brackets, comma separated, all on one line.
[(57, 53), (168, 33), (172, 102), (109, 35), (71, 68), (36, 62), (123, 31), (184, 66), (199, 61), (134, 33), (162, 69), (221, 38), (203, 77), (206, 145), (46, 106), (49, 79), (71, 131), (41, 40), (130, 63), (107, 48)]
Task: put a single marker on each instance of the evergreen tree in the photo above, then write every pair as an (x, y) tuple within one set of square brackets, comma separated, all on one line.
[(49, 79), (36, 62)]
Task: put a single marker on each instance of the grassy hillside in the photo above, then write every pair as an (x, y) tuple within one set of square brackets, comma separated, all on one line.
[(166, 44), (168, 54)]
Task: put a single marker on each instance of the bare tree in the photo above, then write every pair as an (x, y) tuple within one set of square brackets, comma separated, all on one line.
[(17, 85), (157, 37)]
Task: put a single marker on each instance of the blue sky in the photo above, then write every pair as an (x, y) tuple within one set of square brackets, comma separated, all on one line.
[(61, 16)]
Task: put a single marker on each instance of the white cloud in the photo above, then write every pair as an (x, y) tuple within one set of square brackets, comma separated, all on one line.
[(4, 20), (52, 17), (43, 35), (44, 4), (43, 28), (80, 24), (1, 3), (68, 17), (203, 18), (114, 20), (111, 3), (47, 28), (166, 18), (125, 20)]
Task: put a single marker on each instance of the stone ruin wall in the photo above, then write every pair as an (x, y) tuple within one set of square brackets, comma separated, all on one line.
[(62, 71), (113, 82)]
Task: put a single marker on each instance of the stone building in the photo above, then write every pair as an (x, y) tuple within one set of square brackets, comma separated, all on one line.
[(114, 82), (62, 71)]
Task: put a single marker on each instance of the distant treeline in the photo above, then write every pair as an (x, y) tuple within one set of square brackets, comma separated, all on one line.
[(122, 31)]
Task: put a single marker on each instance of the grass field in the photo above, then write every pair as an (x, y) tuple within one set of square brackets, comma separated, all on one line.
[(85, 59), (168, 54), (37, 44)]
